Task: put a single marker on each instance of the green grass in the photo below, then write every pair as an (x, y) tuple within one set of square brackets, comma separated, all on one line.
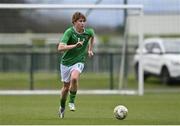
[(43, 80), (150, 109)]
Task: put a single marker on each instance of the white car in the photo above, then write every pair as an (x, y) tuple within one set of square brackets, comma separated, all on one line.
[(161, 57)]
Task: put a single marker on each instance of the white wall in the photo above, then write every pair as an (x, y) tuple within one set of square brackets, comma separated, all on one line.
[(156, 24)]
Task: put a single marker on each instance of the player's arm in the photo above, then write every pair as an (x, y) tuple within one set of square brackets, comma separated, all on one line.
[(63, 47), (90, 47)]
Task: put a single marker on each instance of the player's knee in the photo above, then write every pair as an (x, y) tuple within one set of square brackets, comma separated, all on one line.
[(74, 80), (66, 88)]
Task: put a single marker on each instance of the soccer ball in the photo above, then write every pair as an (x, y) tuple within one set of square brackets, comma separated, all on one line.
[(120, 112)]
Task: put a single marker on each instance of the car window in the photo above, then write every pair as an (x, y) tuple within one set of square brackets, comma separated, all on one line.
[(172, 46), (149, 47), (156, 48), (156, 45)]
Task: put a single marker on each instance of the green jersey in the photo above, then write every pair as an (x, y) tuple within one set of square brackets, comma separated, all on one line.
[(77, 54)]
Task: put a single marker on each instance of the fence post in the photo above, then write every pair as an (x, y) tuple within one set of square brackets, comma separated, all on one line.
[(31, 72), (111, 70)]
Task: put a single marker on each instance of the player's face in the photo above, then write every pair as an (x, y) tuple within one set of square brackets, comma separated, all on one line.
[(80, 24)]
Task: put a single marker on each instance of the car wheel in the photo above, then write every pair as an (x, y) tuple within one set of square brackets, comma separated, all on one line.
[(165, 78)]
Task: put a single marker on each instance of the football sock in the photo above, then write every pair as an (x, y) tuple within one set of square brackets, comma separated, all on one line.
[(72, 96), (63, 103)]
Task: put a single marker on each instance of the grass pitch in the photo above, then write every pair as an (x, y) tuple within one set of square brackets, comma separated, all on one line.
[(150, 109)]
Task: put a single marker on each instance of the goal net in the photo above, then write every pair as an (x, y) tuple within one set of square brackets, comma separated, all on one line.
[(29, 61)]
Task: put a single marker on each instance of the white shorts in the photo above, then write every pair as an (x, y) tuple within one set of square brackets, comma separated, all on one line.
[(66, 71)]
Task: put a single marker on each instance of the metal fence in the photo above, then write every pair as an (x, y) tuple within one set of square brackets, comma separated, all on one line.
[(32, 62)]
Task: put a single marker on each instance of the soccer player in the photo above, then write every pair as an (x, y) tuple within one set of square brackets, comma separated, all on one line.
[(76, 42)]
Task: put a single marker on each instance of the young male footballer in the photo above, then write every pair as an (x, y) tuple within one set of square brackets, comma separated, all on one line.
[(76, 42)]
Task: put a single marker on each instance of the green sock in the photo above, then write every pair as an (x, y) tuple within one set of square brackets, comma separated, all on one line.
[(72, 96), (63, 103)]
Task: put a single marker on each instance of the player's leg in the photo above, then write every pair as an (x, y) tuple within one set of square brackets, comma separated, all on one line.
[(65, 78), (64, 94), (73, 88), (75, 73)]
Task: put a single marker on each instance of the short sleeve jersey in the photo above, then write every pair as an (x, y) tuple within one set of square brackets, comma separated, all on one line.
[(77, 54)]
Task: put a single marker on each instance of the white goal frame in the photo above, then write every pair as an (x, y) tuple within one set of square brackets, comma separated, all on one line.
[(140, 8)]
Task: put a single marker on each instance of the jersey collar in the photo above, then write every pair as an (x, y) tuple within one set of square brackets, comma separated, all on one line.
[(77, 31)]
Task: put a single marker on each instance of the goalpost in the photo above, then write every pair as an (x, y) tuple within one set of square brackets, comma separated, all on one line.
[(139, 8)]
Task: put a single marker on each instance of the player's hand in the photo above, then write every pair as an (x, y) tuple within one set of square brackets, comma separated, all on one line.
[(78, 44), (90, 53)]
